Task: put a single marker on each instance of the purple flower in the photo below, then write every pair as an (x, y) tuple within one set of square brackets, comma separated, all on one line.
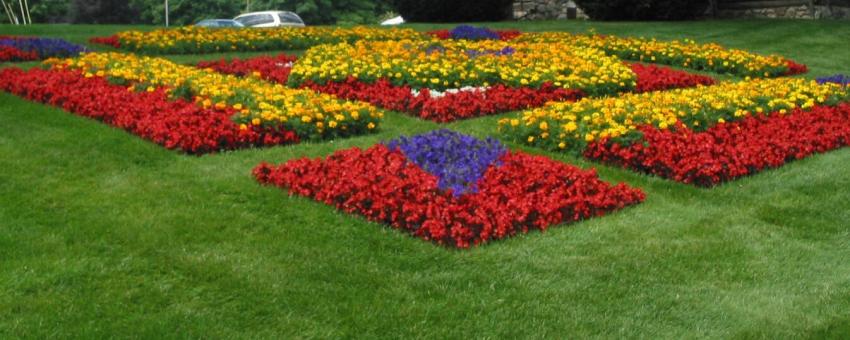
[(436, 48), (44, 47), (507, 51), (457, 160), (839, 79), (473, 33)]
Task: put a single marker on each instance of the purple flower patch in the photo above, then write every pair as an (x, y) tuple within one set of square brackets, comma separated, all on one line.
[(44, 47), (839, 79), (473, 33), (457, 160), (507, 51)]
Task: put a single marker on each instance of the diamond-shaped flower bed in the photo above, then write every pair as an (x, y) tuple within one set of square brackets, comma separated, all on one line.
[(451, 188)]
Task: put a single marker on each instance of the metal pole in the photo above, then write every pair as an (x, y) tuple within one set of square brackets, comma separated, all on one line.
[(8, 12), (23, 15), (166, 13), (27, 6)]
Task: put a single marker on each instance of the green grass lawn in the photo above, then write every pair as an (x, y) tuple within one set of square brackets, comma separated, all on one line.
[(105, 235)]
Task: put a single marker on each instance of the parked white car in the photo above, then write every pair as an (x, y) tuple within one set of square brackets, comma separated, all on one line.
[(393, 21), (270, 19)]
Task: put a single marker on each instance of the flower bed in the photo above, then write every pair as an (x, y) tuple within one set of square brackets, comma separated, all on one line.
[(573, 125), (683, 134), (685, 53), (451, 189), (151, 115), (194, 39), (453, 64), (14, 48), (447, 106), (258, 103), (728, 151)]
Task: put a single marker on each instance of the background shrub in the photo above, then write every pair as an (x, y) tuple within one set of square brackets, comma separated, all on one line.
[(453, 10), (643, 9)]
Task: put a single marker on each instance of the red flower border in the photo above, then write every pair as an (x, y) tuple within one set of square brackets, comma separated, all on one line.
[(525, 192), (730, 150), (111, 40), (175, 124), (8, 53)]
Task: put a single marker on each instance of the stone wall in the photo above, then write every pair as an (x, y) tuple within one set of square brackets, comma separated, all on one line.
[(558, 9), (789, 12), (545, 10)]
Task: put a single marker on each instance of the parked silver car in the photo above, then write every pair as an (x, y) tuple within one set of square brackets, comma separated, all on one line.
[(270, 19)]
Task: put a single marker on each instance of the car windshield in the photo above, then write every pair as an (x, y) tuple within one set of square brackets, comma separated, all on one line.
[(287, 17), (255, 19), (226, 23)]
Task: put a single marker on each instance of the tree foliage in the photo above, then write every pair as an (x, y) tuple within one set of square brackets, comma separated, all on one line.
[(453, 10), (183, 12), (643, 9)]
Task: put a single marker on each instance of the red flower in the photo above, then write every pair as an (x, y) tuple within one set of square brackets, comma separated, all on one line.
[(8, 53), (111, 40), (657, 78), (274, 69)]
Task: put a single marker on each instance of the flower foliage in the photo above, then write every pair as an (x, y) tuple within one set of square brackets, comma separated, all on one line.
[(457, 160), (731, 150), (150, 114), (520, 192)]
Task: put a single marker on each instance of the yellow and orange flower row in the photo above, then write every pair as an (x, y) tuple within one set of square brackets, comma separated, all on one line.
[(573, 125), (457, 63), (309, 114), (194, 39), (684, 53)]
